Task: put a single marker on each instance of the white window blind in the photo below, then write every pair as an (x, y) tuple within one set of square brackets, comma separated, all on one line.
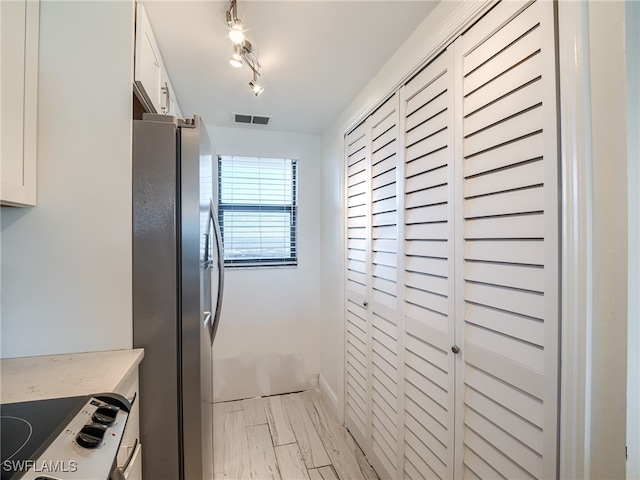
[(257, 208)]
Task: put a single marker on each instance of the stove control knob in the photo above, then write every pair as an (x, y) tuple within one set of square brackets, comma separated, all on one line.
[(91, 435), (105, 415)]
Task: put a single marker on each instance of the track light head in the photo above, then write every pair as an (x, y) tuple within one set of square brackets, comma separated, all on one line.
[(256, 88), (236, 33), (236, 58)]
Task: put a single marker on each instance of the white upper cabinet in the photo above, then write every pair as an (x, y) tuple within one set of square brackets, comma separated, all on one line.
[(151, 81), (168, 104), (148, 64), (20, 29)]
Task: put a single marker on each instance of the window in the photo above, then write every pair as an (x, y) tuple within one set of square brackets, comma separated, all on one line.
[(257, 209)]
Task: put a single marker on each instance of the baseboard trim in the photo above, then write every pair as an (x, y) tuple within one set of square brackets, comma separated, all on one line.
[(328, 394)]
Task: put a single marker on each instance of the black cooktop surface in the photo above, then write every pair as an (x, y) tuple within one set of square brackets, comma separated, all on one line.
[(27, 429)]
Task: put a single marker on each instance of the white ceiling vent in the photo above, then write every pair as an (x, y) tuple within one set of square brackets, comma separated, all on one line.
[(250, 119)]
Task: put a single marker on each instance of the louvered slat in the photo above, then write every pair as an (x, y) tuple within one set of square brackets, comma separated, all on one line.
[(526, 433)]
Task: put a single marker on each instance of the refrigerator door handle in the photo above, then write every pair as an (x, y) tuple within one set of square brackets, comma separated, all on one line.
[(207, 254), (213, 217)]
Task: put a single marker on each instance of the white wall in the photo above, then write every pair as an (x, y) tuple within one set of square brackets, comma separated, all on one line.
[(609, 150), (66, 263), (331, 275), (632, 31), (267, 341)]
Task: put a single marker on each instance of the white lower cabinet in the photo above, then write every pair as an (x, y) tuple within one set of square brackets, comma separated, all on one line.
[(133, 471), (130, 454), (451, 356)]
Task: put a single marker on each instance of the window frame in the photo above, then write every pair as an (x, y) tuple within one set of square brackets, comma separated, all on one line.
[(291, 209)]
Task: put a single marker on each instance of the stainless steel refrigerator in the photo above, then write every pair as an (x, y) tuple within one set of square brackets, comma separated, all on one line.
[(177, 293)]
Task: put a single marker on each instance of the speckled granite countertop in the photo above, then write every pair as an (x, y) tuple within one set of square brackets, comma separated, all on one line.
[(66, 375)]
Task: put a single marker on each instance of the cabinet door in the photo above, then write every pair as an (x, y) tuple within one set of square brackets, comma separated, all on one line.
[(429, 271), (177, 111), (508, 244), (20, 31), (148, 63), (173, 108), (134, 470), (129, 457), (167, 97), (357, 372)]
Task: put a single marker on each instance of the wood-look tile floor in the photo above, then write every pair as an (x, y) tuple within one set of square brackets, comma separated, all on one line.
[(284, 437)]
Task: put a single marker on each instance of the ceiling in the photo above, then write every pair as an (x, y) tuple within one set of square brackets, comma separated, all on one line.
[(315, 55)]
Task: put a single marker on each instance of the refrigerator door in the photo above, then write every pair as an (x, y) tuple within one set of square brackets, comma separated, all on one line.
[(206, 180), (193, 147), (156, 257)]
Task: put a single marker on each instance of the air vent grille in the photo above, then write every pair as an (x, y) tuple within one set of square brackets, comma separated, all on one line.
[(250, 119), (261, 120), (243, 118)]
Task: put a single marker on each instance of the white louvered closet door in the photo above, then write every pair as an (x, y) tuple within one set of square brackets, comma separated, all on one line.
[(452, 316), (357, 372), (385, 315), (429, 272), (372, 310), (508, 278)]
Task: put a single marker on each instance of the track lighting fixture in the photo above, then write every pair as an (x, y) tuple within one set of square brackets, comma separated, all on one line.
[(242, 49)]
